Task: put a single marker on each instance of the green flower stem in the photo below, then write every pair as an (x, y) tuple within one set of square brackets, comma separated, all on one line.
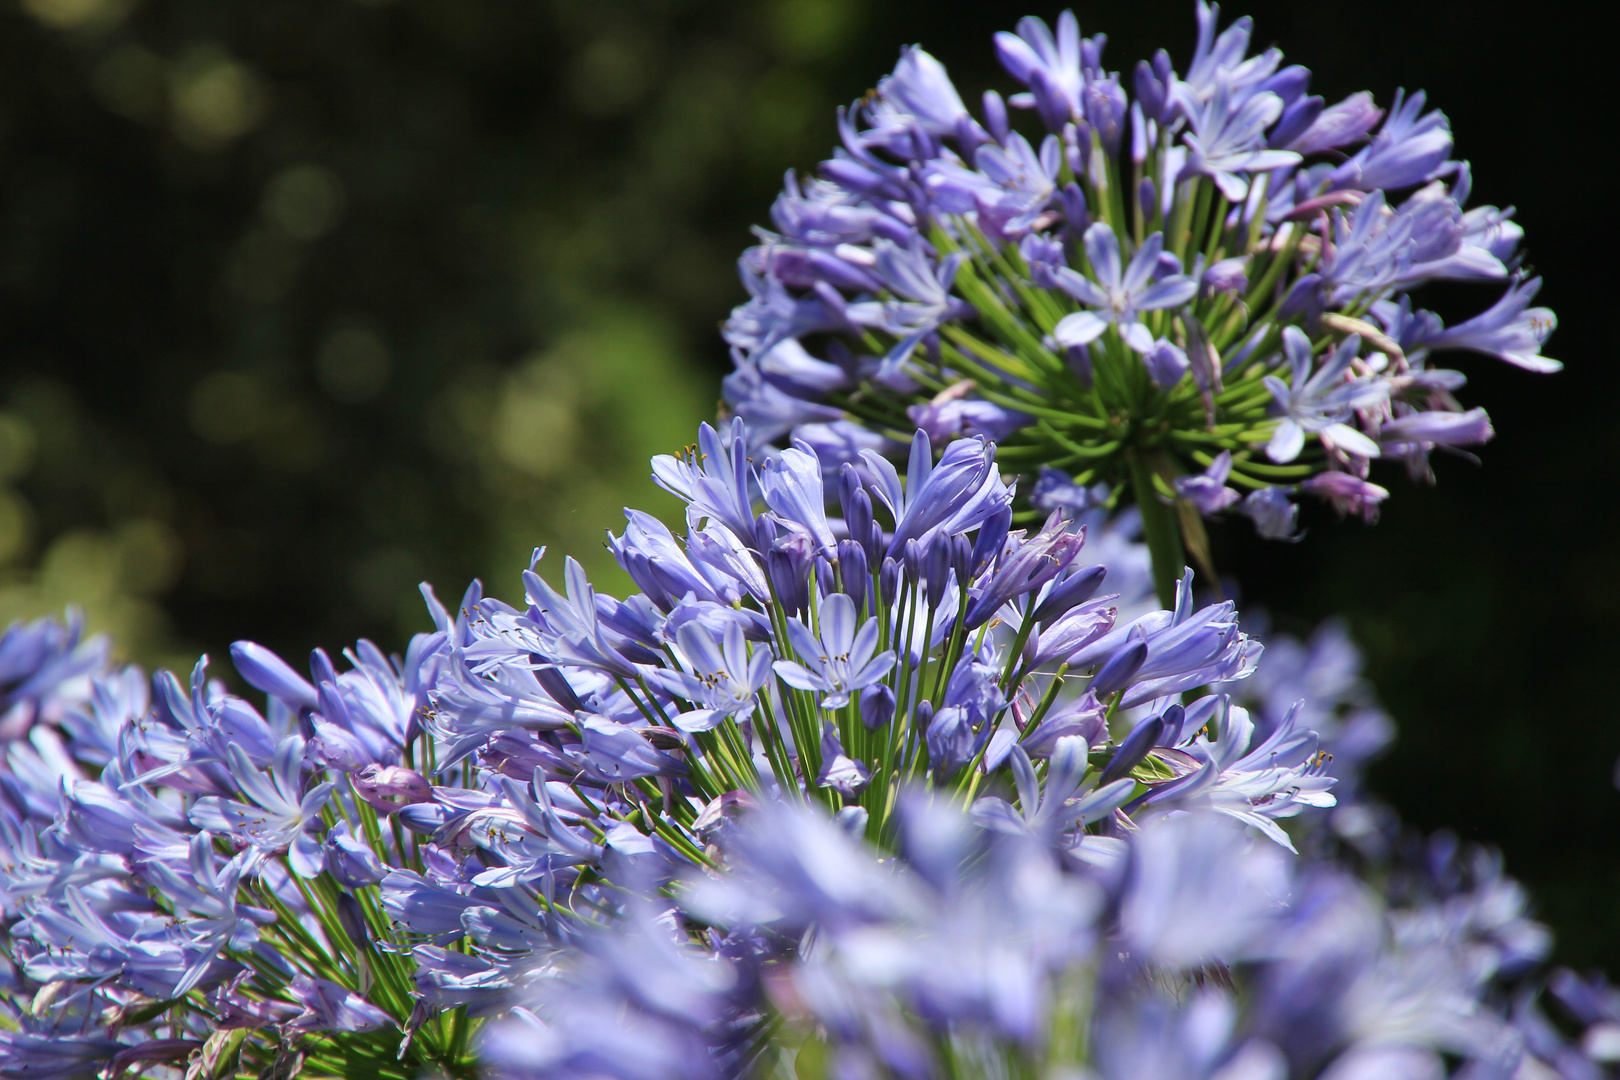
[(1159, 528), (953, 645), (770, 733), (1046, 701)]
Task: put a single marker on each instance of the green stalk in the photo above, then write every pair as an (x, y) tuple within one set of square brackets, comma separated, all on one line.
[(1159, 528)]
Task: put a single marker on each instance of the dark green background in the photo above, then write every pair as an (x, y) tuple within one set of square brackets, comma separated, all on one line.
[(228, 408)]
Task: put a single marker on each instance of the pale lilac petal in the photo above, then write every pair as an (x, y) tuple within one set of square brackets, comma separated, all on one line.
[(1081, 328), (1102, 248), (1286, 442)]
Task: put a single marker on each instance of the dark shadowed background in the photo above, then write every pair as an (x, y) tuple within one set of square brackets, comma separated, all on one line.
[(305, 301)]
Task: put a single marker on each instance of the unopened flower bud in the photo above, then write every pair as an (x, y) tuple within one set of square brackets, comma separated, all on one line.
[(877, 706), (852, 566)]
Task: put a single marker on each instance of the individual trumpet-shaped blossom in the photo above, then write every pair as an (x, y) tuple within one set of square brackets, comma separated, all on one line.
[(1510, 330), (1226, 140), (1207, 490), (1119, 294), (841, 660), (719, 676), (1319, 402)]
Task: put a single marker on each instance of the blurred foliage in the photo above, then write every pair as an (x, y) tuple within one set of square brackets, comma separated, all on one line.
[(305, 301)]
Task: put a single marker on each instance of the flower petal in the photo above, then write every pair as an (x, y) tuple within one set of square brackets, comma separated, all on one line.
[(1081, 328)]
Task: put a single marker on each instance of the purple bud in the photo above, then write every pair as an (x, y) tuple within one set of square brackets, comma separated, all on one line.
[(1091, 52), (1118, 670), (889, 579), (1105, 110), (424, 819), (912, 555), (264, 670), (1296, 120), (924, 147), (1147, 197), (1173, 718), (825, 579), (1076, 219), (1143, 136), (1346, 122), (352, 862), (788, 566), (1065, 594), (1289, 83), (937, 568), (962, 558), (1150, 92), (556, 684), (875, 545), (1161, 67), (648, 579), (351, 919), (764, 532), (320, 667), (858, 516), (1166, 363), (857, 579), (1079, 358), (877, 706), (388, 787), (1143, 737), (995, 116), (992, 538), (1228, 275), (850, 491)]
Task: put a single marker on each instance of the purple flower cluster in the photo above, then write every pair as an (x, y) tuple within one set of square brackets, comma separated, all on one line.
[(1161, 273), (375, 857), (878, 772), (861, 770)]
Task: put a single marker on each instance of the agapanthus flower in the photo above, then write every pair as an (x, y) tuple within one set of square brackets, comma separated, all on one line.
[(1144, 275), (1119, 295), (841, 660)]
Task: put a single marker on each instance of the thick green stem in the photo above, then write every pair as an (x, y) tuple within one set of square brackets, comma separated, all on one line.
[(1159, 528)]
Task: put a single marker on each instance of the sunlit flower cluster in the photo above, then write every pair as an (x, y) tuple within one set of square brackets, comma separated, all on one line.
[(1194, 285)]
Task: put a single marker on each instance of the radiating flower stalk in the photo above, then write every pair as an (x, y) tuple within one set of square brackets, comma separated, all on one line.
[(1200, 296)]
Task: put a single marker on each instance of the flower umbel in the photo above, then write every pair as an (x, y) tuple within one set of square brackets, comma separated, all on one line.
[(1129, 289)]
